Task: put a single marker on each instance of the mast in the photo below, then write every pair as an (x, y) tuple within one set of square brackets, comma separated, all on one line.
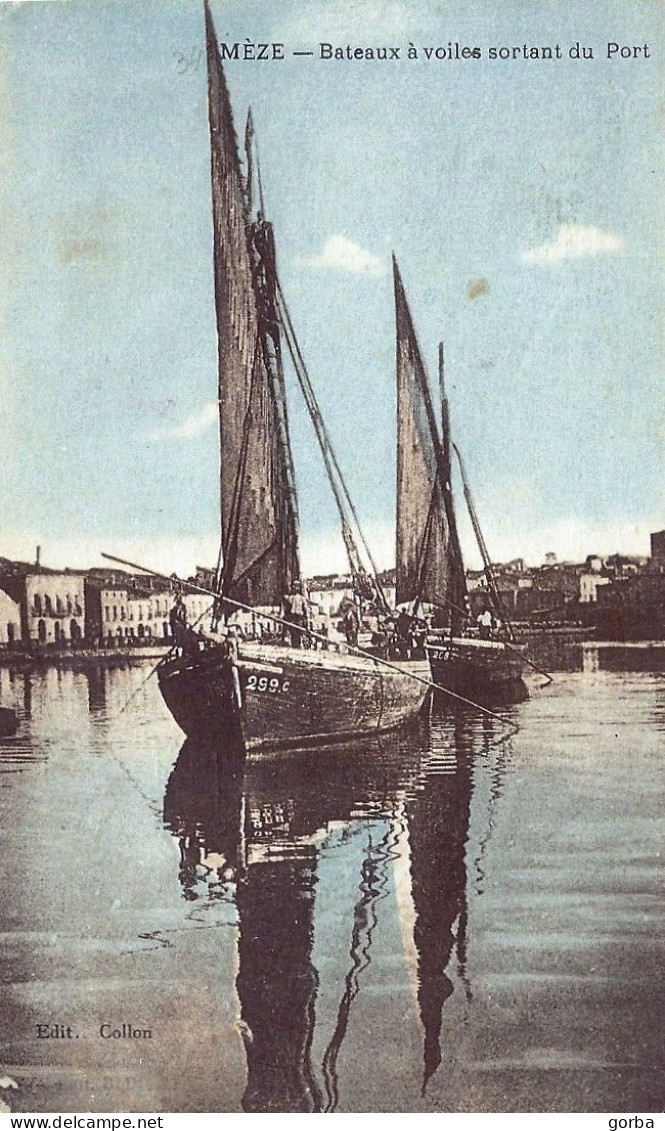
[(257, 488), (249, 158), (457, 590)]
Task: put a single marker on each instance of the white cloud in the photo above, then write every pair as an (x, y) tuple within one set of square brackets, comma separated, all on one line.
[(194, 425), (340, 254), (575, 241)]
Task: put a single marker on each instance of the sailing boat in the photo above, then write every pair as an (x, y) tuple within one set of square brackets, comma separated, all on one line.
[(270, 696), (429, 564)]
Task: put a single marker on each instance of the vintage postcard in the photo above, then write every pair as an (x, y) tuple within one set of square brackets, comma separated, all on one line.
[(332, 571)]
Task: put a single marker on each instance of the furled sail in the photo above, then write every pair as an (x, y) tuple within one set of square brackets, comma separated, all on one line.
[(428, 562), (258, 505)]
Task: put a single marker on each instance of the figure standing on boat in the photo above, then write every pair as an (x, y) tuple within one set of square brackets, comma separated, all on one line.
[(484, 621), (296, 611), (231, 653), (178, 622), (351, 625)]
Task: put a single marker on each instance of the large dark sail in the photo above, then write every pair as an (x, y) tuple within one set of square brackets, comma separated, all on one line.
[(428, 562), (259, 520)]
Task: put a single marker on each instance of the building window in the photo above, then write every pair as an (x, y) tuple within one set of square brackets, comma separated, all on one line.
[(41, 632), (37, 605), (48, 607)]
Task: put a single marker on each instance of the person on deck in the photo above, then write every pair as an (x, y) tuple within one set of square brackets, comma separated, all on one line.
[(418, 637), (324, 642), (178, 623), (231, 652), (403, 634), (484, 621), (296, 612), (231, 648), (351, 626)]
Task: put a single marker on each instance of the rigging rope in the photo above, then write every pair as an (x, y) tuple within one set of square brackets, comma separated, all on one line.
[(482, 545), (335, 476), (512, 728)]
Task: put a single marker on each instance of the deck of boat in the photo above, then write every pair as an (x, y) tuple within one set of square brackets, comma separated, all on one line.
[(331, 659)]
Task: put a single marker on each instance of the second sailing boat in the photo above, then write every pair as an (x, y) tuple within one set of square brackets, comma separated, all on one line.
[(270, 696), (429, 565)]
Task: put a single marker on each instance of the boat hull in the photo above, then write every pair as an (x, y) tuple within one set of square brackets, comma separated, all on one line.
[(281, 698), (485, 668)]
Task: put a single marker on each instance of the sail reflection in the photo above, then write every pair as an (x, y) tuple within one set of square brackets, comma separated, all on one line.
[(263, 836), (438, 820)]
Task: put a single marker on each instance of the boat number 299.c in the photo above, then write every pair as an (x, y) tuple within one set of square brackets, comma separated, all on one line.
[(267, 683)]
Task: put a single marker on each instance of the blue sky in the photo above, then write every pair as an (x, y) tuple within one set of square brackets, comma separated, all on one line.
[(523, 201)]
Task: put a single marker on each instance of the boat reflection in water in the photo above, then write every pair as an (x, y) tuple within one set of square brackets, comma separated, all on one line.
[(264, 837)]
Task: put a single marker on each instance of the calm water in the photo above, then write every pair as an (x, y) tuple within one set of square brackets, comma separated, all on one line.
[(433, 922)]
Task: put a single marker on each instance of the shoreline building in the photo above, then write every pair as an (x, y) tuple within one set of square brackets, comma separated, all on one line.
[(51, 602), (10, 618)]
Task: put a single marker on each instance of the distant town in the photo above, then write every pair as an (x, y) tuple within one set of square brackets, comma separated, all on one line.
[(42, 609)]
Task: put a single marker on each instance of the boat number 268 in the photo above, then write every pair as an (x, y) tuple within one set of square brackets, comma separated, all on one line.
[(267, 683)]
